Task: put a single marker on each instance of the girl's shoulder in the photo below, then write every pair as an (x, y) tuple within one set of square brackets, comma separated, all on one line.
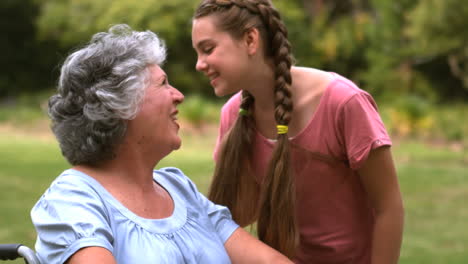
[(309, 82), (233, 102), (230, 109), (312, 86), (344, 87)]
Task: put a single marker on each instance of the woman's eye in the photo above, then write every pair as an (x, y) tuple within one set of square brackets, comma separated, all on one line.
[(162, 82)]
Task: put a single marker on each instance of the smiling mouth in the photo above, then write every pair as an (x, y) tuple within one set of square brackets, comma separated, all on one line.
[(174, 118), (213, 77), (213, 82)]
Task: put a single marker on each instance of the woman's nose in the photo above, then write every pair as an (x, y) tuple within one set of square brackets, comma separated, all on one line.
[(178, 96)]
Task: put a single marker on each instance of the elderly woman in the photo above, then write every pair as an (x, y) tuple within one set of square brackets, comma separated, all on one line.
[(115, 117)]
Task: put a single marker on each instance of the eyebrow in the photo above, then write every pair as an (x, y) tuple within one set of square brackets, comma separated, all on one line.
[(158, 80), (201, 43)]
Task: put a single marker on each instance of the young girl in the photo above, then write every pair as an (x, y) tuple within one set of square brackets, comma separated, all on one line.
[(302, 152)]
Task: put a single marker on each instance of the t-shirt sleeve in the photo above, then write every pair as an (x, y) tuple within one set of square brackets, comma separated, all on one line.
[(68, 217), (221, 132), (362, 128), (219, 216)]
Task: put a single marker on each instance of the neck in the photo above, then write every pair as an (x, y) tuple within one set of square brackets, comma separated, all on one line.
[(129, 168), (262, 86)]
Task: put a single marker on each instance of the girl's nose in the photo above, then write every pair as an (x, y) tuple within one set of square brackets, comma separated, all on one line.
[(201, 65)]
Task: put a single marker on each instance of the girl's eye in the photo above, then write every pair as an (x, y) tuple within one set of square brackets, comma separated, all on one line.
[(208, 50)]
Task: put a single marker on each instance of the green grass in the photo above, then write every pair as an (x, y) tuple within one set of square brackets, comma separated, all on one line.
[(434, 182)]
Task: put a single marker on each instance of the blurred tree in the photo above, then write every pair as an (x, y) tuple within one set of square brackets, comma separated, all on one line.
[(26, 63), (388, 72), (71, 22), (391, 48), (377, 43), (438, 38), (410, 45), (337, 34), (74, 21), (298, 24)]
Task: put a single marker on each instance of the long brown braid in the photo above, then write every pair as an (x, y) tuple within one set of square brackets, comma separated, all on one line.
[(276, 222)]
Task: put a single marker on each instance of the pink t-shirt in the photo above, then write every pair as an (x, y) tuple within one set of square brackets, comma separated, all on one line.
[(334, 215)]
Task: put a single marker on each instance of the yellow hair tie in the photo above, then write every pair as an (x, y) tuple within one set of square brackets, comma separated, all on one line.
[(282, 129)]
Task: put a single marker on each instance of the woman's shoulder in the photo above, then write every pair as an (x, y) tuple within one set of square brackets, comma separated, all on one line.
[(72, 183), (171, 173), (174, 179), (72, 189), (72, 195)]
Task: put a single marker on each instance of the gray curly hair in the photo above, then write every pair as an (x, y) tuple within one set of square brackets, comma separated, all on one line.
[(101, 87)]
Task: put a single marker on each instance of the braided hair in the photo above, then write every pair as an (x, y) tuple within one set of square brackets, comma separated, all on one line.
[(233, 183)]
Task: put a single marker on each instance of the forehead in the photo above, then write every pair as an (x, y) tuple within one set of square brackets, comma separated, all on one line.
[(203, 29), (156, 72)]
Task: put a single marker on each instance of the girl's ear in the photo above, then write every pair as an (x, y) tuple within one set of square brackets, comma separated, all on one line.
[(252, 40)]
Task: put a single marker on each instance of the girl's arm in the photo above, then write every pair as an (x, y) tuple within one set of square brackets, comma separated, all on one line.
[(380, 181), (242, 247)]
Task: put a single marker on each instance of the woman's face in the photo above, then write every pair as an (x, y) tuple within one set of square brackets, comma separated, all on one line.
[(224, 60), (155, 125)]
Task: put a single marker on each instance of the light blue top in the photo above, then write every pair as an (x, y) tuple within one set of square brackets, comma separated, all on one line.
[(76, 212)]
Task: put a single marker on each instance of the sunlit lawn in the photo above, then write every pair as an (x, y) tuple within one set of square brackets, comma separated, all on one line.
[(434, 182)]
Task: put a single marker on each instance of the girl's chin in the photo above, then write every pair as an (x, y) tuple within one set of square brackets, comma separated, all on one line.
[(222, 91), (219, 92)]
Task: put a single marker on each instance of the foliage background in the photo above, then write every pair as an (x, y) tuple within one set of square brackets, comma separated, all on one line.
[(392, 48), (412, 55)]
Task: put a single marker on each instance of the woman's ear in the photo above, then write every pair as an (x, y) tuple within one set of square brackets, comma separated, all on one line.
[(252, 40)]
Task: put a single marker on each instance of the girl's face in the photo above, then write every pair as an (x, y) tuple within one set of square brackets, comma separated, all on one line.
[(224, 60)]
